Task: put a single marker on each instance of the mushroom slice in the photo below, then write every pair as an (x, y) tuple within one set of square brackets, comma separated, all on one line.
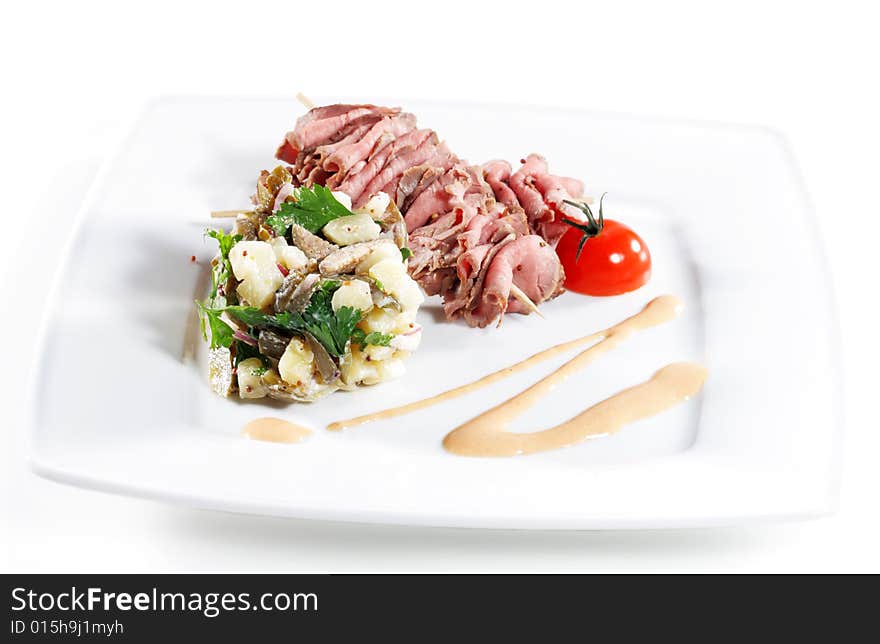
[(382, 300), (272, 344), (313, 246), (346, 259), (268, 185), (393, 225), (287, 289), (297, 300), (245, 227), (326, 366)]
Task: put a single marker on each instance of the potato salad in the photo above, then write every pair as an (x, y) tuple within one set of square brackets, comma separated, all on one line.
[(309, 296)]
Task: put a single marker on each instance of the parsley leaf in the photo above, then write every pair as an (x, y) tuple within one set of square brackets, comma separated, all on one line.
[(252, 316), (340, 328), (374, 338), (222, 270), (313, 209), (406, 253), (243, 351), (331, 329), (221, 333)]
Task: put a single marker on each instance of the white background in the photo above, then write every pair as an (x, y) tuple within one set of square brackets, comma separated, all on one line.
[(73, 74)]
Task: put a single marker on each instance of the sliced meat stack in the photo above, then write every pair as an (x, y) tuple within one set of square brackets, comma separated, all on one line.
[(480, 236)]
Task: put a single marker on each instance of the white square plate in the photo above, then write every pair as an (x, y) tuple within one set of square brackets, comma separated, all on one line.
[(115, 407)]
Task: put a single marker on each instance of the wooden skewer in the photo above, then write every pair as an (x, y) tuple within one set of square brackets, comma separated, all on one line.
[(516, 292), (227, 214), (305, 100)]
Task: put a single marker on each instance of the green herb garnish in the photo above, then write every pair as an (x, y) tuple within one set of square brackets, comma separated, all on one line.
[(243, 351), (331, 329), (359, 336), (312, 209), (221, 333), (212, 308), (222, 270), (406, 253)]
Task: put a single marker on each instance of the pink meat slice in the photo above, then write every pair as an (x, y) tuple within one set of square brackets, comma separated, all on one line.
[(574, 186), (345, 157), (497, 174), (317, 126), (530, 263), (399, 162), (346, 136), (434, 200), (467, 271), (479, 228), (552, 189), (473, 230), (335, 121), (469, 263), (415, 179), (528, 196), (355, 182), (436, 168), (286, 152), (325, 111), (308, 163), (410, 181), (435, 246)]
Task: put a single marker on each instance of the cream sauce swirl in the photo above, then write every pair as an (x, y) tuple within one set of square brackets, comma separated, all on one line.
[(659, 310), (487, 435)]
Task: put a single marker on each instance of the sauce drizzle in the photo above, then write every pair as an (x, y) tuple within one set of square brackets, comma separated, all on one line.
[(275, 430), (486, 435)]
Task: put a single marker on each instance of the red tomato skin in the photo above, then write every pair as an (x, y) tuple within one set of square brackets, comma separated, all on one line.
[(616, 261)]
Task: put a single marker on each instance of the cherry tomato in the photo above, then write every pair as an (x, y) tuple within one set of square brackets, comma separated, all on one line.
[(613, 261)]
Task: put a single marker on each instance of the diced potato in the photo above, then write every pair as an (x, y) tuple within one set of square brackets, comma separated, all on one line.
[(390, 273), (220, 370), (254, 264), (296, 365), (356, 368), (375, 352), (384, 370), (363, 367), (352, 229), (382, 251), (353, 293), (377, 205), (404, 321), (290, 257), (342, 198), (250, 378), (410, 295), (408, 340), (381, 320)]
